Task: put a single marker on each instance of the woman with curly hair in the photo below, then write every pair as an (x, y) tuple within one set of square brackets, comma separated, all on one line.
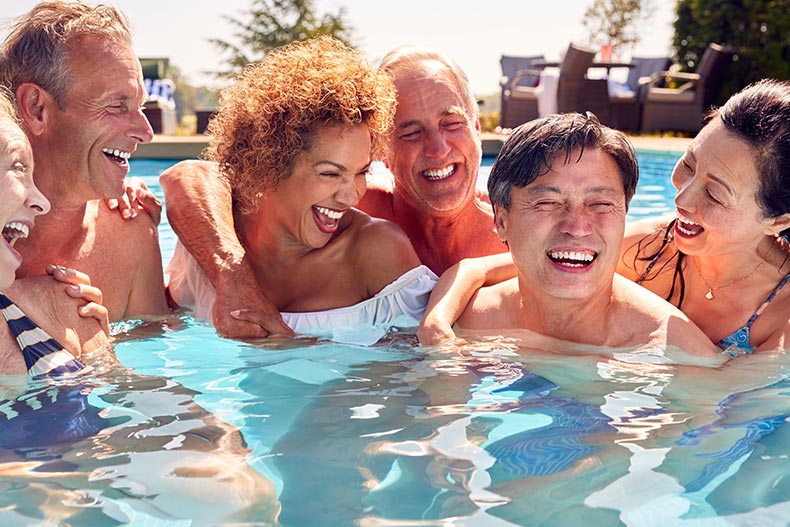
[(295, 138)]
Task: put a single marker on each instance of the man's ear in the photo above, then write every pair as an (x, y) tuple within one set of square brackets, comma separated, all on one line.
[(776, 225), (500, 220), (34, 105)]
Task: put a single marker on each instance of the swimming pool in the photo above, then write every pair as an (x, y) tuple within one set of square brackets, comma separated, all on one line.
[(341, 435)]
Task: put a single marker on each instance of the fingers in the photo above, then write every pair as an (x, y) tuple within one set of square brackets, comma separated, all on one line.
[(148, 202), (97, 312), (67, 275), (79, 287), (136, 197), (86, 292), (273, 325)]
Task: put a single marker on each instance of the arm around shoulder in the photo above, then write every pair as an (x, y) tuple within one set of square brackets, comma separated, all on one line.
[(200, 210)]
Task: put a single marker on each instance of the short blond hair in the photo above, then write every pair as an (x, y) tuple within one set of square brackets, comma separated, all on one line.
[(270, 114)]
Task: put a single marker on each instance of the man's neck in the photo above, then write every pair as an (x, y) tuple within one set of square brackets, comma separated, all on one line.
[(56, 236), (584, 320), (443, 239)]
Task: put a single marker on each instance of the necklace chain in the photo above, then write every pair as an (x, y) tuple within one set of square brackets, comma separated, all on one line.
[(709, 295)]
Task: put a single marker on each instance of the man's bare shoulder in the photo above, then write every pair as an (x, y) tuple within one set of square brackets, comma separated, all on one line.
[(645, 318), (113, 230), (492, 307)]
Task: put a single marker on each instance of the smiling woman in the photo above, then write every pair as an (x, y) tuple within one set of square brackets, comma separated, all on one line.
[(723, 257), (295, 138)]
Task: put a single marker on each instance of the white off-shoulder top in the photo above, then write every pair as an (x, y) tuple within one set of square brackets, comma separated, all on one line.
[(400, 303)]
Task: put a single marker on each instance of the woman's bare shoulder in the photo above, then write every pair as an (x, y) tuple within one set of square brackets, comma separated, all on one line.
[(642, 239), (381, 251)]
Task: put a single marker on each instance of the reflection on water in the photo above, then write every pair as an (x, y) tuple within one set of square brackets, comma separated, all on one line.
[(494, 434)]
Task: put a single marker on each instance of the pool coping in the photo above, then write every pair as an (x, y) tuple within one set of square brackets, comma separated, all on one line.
[(190, 147)]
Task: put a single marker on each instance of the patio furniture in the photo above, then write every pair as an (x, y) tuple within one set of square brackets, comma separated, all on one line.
[(515, 110), (576, 92), (682, 108), (625, 100), (570, 90)]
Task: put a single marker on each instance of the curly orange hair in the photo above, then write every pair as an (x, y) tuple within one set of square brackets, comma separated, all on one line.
[(269, 115)]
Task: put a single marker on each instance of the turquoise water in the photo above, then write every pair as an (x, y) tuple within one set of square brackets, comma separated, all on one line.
[(486, 434)]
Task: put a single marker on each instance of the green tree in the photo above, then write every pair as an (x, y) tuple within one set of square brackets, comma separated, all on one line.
[(615, 22), (273, 23), (758, 32)]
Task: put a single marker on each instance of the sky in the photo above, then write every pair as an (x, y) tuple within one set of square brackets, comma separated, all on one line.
[(475, 33)]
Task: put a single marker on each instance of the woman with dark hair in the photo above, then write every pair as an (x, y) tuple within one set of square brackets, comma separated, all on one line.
[(722, 258)]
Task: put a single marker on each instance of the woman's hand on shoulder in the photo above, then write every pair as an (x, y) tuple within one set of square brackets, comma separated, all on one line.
[(79, 287)]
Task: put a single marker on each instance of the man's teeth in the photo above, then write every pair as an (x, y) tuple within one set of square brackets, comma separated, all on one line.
[(572, 258), (117, 153), (329, 213), (14, 229), (440, 174)]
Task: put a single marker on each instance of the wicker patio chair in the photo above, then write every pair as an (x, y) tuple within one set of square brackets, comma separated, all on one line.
[(683, 108), (517, 110)]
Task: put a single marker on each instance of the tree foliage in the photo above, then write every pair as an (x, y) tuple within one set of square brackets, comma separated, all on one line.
[(615, 22), (270, 24), (758, 32)]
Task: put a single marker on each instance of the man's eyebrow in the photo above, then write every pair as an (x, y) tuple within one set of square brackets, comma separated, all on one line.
[(548, 189), (407, 124)]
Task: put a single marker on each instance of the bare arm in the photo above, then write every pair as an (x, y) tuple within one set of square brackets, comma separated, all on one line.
[(200, 211), (455, 289)]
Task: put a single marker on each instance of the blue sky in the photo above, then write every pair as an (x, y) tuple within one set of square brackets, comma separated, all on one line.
[(476, 33)]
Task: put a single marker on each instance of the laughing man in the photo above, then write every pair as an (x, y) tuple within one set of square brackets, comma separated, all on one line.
[(79, 90), (434, 156), (560, 189)]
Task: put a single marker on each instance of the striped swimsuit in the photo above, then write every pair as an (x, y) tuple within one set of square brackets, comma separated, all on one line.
[(43, 354)]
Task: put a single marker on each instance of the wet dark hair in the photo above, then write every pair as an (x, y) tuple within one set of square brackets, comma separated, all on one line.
[(760, 115), (532, 148)]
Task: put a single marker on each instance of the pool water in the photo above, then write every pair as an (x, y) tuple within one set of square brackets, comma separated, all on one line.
[(198, 430)]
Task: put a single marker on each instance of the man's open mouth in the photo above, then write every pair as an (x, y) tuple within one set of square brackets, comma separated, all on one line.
[(573, 259), (439, 174), (119, 156)]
